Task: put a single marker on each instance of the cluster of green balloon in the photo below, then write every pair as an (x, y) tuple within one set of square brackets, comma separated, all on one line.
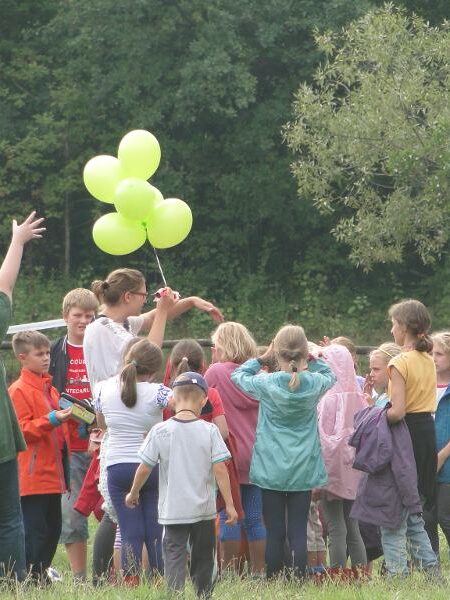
[(142, 212)]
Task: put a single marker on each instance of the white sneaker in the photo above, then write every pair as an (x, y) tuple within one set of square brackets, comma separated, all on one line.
[(54, 575)]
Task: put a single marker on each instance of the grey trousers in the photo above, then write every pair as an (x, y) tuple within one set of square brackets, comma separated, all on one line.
[(343, 533), (202, 540)]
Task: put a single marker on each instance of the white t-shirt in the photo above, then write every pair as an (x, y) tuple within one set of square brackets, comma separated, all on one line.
[(186, 451), (103, 346), (127, 427)]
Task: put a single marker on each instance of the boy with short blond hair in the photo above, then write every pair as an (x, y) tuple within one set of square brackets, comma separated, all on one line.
[(68, 368), (191, 455), (42, 470)]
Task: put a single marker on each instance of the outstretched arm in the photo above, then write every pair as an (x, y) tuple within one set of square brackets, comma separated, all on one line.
[(21, 234), (182, 306)]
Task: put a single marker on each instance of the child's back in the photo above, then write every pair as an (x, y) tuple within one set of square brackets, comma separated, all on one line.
[(186, 451)]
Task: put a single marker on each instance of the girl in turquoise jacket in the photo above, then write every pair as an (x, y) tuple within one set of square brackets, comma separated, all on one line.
[(287, 459)]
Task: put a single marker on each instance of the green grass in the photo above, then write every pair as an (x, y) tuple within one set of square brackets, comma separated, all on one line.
[(414, 587)]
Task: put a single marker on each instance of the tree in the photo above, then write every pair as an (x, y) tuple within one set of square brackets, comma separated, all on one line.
[(371, 135)]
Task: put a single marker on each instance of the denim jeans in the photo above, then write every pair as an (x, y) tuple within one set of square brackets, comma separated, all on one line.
[(412, 533), (12, 536)]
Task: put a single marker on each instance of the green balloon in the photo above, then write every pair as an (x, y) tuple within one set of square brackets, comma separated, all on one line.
[(139, 154), (170, 223), (101, 176), (135, 198), (115, 235), (159, 198)]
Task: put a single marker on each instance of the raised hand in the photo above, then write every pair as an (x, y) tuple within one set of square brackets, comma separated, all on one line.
[(28, 230)]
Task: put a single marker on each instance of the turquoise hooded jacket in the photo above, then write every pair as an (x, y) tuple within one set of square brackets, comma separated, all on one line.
[(287, 455)]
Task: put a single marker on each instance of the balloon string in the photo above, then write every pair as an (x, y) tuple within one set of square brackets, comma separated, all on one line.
[(159, 267)]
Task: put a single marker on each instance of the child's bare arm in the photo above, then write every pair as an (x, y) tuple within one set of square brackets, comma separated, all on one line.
[(223, 481), (140, 477), (23, 233), (398, 396)]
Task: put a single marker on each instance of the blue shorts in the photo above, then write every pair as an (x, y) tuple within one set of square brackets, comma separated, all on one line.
[(253, 524)]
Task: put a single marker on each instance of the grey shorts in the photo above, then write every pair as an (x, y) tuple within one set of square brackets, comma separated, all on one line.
[(74, 525)]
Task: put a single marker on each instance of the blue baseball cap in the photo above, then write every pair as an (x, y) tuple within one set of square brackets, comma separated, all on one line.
[(191, 378)]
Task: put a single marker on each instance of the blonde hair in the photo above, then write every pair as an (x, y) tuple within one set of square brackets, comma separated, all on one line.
[(79, 298), (142, 358), (235, 342), (187, 355), (414, 316), (24, 341), (117, 283), (443, 339), (291, 345), (386, 351)]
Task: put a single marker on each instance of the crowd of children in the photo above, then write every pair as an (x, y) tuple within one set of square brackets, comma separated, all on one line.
[(287, 444)]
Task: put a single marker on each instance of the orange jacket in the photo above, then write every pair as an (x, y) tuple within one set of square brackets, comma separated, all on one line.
[(41, 468)]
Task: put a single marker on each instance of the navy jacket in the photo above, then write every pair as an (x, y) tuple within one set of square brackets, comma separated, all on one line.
[(389, 485), (442, 425)]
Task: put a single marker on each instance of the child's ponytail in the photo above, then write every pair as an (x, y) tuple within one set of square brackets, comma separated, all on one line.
[(295, 378), (290, 344), (128, 380), (187, 355), (143, 358)]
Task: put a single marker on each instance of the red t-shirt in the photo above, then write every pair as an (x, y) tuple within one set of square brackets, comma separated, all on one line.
[(77, 385), (212, 409)]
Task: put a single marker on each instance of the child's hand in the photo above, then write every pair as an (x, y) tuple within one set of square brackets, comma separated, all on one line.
[(314, 350), (28, 230), (268, 355), (232, 516), (209, 307), (63, 415), (132, 499), (368, 389), (325, 341), (316, 494)]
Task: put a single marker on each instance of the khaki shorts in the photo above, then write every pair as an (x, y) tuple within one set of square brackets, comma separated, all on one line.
[(74, 524), (314, 539)]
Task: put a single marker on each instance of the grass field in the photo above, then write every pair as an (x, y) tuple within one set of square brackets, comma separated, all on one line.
[(414, 587)]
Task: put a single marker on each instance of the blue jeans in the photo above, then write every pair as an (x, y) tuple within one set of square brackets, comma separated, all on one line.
[(138, 525), (394, 541), (12, 535)]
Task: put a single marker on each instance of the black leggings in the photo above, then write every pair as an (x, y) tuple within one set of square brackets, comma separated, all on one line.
[(286, 513), (103, 549), (423, 437)]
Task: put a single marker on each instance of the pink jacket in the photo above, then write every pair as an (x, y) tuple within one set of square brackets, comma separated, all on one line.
[(241, 411), (335, 412)]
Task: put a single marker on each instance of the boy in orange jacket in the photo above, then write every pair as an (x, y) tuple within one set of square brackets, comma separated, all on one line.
[(43, 465)]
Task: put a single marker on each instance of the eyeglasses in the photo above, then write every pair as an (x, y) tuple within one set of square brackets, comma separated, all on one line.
[(143, 294)]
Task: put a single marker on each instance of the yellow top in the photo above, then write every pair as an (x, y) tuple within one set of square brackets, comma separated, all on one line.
[(419, 372)]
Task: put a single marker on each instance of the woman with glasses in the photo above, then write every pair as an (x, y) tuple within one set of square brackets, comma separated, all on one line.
[(122, 296)]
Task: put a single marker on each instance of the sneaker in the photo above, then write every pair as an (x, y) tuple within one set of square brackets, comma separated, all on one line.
[(54, 575)]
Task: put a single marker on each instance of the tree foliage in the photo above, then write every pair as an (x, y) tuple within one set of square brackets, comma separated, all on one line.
[(371, 136), (214, 80)]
